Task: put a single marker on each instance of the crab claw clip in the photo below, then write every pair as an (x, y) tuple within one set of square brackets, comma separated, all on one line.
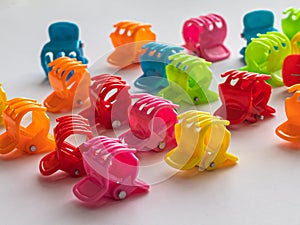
[(189, 79), (110, 100), (202, 141), (70, 80), (66, 157), (151, 121), (112, 170), (291, 70), (290, 24), (290, 129), (244, 96), (205, 35), (3, 100), (128, 39), (31, 139)]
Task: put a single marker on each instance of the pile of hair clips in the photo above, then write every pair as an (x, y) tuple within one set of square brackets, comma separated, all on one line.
[(173, 79)]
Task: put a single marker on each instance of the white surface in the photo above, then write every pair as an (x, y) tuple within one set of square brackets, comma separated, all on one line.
[(262, 189)]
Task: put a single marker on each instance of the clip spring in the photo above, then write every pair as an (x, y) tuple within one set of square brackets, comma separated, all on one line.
[(70, 80), (3, 100), (290, 25)]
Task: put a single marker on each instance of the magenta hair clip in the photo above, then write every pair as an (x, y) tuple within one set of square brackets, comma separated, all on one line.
[(112, 170), (205, 35), (151, 120)]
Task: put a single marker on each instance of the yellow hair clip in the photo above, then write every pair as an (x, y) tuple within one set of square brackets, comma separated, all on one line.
[(3, 99)]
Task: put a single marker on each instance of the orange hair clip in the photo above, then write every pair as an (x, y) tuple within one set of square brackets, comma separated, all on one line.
[(128, 39), (70, 80), (31, 139)]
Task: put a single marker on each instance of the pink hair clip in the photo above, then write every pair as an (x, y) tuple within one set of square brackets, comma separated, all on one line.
[(112, 170), (151, 120)]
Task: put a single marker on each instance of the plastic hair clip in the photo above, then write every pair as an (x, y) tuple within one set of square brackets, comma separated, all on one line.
[(245, 97), (64, 41), (70, 80), (151, 121), (110, 100), (67, 156), (128, 39), (205, 35), (266, 54), (290, 25), (189, 79), (257, 22), (291, 70), (290, 129), (295, 43), (202, 141), (153, 63), (3, 100), (112, 170), (32, 139)]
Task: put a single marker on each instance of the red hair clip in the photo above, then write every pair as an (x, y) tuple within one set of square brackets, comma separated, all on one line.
[(110, 99), (66, 157), (151, 120), (291, 70), (112, 170), (244, 96)]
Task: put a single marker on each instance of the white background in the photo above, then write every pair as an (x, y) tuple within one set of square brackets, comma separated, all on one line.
[(263, 189)]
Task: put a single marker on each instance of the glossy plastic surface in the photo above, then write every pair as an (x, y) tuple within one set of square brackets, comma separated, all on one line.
[(291, 23), (295, 43), (291, 70), (3, 100)]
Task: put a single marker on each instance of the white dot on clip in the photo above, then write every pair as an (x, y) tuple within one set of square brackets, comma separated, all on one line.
[(32, 148), (162, 145), (79, 102), (77, 172), (122, 195), (116, 124)]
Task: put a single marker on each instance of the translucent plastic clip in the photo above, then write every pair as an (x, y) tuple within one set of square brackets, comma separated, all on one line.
[(290, 24), (3, 100), (296, 43), (266, 54), (67, 157), (151, 121), (32, 139), (257, 22), (128, 39), (202, 141), (112, 170), (244, 96), (205, 35), (110, 100), (189, 79), (290, 129), (70, 80), (153, 63), (64, 41), (291, 70)]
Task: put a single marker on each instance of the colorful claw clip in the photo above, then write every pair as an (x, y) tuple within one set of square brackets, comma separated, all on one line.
[(3, 100), (32, 139), (295, 42), (153, 63), (291, 24), (245, 97), (64, 41), (205, 36), (189, 79), (112, 170), (128, 39), (110, 100), (257, 22), (66, 157), (151, 121), (202, 141), (291, 70), (266, 54), (290, 129), (70, 80)]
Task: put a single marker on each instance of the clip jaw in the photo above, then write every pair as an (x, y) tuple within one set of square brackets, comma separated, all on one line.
[(291, 23), (295, 43), (66, 157), (3, 100), (31, 139), (189, 79), (202, 141), (291, 70), (151, 121), (205, 36), (245, 97), (112, 170), (64, 41), (110, 100), (128, 39), (70, 80), (153, 63), (266, 54)]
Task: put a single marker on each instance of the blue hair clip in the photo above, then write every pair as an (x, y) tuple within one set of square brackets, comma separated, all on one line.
[(257, 22), (64, 41), (153, 63)]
